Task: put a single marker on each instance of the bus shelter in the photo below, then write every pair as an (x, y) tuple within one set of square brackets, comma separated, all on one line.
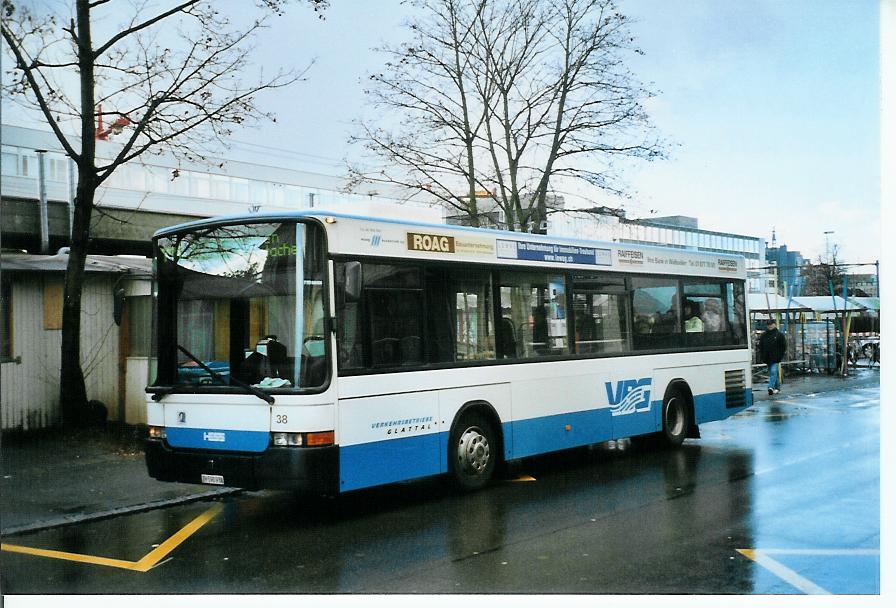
[(866, 323), (792, 317), (814, 327)]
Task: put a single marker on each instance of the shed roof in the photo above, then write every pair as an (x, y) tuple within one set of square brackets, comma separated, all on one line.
[(772, 302), (865, 302), (824, 304), (114, 264)]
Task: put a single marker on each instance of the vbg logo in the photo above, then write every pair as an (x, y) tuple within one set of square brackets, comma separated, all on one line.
[(375, 240), (628, 396)]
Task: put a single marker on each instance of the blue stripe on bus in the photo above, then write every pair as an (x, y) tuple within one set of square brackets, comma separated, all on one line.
[(712, 406), (548, 433), (218, 439), (370, 464), (380, 462)]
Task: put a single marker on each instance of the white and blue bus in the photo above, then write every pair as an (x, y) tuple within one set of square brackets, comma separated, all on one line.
[(327, 353)]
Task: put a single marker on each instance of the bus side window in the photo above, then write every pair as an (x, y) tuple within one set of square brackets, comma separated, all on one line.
[(736, 312), (393, 301), (600, 317), (535, 305), (459, 315), (349, 329), (656, 310)]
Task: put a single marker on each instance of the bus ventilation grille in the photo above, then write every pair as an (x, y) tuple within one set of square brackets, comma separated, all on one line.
[(735, 388)]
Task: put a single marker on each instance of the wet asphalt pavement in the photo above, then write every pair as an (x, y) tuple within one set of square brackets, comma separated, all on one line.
[(781, 499)]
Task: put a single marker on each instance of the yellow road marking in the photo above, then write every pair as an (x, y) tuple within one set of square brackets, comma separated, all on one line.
[(524, 478), (157, 554), (143, 565), (72, 557)]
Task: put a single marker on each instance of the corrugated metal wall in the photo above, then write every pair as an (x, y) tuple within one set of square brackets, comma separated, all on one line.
[(29, 391)]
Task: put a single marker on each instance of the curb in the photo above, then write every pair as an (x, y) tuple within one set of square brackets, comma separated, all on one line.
[(68, 520), (760, 394)]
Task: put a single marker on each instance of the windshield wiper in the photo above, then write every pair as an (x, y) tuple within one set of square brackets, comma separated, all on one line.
[(255, 391), (157, 395)]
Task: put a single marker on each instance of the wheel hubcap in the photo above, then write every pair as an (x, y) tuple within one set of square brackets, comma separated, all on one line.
[(473, 451), (674, 417)]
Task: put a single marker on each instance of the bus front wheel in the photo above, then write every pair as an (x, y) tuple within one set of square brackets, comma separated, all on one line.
[(472, 452), (675, 418)]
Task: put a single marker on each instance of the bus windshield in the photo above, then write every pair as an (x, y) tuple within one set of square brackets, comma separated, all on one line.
[(242, 304)]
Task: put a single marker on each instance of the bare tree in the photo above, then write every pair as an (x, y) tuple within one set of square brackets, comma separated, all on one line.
[(169, 77), (505, 100), (824, 278), (447, 117)]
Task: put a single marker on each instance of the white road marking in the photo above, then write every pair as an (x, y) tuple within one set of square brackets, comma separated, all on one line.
[(783, 572)]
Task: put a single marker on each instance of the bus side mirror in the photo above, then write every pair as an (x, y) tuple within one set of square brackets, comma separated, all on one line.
[(353, 280)]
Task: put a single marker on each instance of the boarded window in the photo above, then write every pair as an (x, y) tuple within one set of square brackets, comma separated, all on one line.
[(53, 291)]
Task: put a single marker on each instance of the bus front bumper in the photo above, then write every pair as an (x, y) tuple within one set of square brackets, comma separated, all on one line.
[(311, 470)]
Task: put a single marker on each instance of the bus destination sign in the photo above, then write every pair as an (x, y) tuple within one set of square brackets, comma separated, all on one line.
[(553, 252)]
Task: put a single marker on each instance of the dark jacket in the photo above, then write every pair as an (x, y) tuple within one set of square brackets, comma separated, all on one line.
[(772, 346)]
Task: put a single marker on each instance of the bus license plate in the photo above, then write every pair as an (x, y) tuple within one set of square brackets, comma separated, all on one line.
[(217, 480)]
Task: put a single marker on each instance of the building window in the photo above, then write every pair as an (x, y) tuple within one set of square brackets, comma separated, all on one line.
[(139, 326), (9, 163), (220, 187), (239, 189)]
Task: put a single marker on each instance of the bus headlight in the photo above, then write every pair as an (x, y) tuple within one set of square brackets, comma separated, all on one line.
[(287, 439), (157, 432)]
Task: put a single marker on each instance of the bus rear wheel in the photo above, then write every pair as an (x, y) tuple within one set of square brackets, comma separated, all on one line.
[(472, 452), (675, 418)]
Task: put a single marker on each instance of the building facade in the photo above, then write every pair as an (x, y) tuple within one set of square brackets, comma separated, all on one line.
[(114, 352), (157, 191), (787, 269)]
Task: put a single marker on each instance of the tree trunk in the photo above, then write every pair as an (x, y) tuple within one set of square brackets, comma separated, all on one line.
[(72, 391)]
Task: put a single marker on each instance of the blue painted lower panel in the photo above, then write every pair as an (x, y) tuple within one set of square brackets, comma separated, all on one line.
[(549, 434), (218, 439), (379, 462), (638, 423), (711, 406)]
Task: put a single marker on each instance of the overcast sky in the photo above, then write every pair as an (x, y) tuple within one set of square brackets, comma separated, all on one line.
[(773, 107)]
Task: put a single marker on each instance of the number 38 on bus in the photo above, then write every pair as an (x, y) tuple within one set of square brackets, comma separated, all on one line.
[(327, 353)]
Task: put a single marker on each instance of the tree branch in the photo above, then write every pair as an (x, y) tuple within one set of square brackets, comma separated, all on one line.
[(22, 65), (141, 26)]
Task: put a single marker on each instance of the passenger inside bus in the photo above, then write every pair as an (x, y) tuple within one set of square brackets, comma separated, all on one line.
[(692, 321), (267, 360), (508, 339), (713, 319)]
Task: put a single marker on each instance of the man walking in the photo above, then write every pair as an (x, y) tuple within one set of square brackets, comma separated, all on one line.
[(772, 348)]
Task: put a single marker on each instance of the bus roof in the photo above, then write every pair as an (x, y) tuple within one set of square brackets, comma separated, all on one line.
[(356, 235)]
